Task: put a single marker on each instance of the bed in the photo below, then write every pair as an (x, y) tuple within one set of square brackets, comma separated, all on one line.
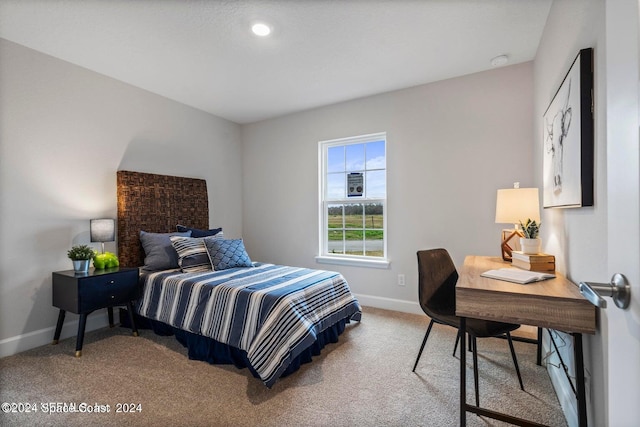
[(265, 317)]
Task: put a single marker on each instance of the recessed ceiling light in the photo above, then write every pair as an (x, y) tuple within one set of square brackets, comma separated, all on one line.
[(499, 60), (261, 29)]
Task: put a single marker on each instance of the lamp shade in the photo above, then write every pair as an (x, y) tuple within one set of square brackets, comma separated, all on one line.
[(103, 230), (517, 204)]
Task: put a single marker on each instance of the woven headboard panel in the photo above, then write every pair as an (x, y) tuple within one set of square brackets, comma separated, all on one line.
[(156, 203)]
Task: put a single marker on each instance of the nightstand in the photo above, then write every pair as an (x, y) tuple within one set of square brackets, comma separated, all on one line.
[(83, 293)]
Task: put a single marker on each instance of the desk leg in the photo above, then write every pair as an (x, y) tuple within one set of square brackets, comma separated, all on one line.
[(580, 386), (539, 349), (463, 372), (110, 313)]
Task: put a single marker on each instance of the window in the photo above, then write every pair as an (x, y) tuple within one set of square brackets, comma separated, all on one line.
[(353, 192)]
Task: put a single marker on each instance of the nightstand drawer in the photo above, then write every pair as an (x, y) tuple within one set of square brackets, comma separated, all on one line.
[(102, 291)]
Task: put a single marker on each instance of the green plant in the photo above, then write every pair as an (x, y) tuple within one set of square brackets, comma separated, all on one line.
[(80, 252), (530, 229)]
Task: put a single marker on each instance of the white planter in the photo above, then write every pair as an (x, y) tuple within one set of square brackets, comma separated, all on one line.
[(530, 246)]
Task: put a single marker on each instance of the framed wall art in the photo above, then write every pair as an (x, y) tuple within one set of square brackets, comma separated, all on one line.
[(568, 139)]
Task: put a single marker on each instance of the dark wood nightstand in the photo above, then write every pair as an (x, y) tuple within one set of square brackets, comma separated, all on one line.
[(83, 293)]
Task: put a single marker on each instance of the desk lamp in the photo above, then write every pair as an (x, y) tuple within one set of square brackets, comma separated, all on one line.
[(512, 206), (103, 230)]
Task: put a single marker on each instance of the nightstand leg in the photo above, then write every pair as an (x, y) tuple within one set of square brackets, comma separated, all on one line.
[(56, 335), (110, 312), (131, 319), (80, 338)]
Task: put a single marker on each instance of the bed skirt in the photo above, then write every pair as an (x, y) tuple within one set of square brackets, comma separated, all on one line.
[(207, 349)]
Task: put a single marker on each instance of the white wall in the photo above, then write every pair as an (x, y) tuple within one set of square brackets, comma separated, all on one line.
[(64, 132), (576, 236), (450, 146)]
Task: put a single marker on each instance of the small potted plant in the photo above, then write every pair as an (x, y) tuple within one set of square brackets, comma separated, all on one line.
[(529, 241), (81, 255)]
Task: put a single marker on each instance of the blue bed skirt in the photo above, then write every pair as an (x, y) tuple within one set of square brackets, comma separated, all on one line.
[(207, 349)]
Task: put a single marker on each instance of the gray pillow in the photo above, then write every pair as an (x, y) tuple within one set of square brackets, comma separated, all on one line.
[(159, 253)]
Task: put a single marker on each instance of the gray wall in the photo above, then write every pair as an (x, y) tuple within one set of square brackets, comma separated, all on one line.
[(570, 234), (64, 133), (450, 146)]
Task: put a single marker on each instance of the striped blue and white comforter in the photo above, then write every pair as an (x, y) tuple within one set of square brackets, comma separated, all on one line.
[(272, 312)]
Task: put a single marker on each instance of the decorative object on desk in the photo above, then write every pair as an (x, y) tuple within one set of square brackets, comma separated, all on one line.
[(103, 230), (105, 260), (512, 206), (529, 241), (533, 262), (568, 138), (80, 255)]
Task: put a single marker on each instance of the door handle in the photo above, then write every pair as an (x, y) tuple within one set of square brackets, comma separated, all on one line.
[(618, 289)]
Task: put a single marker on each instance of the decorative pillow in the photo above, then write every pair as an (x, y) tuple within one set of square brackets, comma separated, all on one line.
[(192, 254), (159, 253), (199, 233), (227, 253)]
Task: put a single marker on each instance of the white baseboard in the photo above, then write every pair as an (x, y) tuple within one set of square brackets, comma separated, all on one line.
[(23, 342), (389, 304)]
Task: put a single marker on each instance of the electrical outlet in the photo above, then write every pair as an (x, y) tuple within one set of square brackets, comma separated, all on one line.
[(400, 279)]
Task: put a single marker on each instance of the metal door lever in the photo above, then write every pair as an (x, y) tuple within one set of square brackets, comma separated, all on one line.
[(618, 289)]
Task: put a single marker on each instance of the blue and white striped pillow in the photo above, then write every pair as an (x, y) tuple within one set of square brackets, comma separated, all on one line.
[(192, 253)]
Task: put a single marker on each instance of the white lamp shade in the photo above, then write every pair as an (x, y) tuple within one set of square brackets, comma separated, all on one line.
[(103, 230), (517, 204)]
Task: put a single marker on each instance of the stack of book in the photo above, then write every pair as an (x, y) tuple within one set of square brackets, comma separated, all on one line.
[(533, 262)]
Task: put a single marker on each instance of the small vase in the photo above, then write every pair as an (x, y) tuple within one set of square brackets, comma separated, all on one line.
[(530, 246), (81, 266)]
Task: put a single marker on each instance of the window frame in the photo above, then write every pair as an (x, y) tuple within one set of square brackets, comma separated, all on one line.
[(323, 202)]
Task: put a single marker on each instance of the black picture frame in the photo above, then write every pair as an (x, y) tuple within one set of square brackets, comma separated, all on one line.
[(568, 139)]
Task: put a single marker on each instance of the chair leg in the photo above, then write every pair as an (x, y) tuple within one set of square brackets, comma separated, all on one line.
[(475, 368), (424, 341), (455, 347), (515, 360)]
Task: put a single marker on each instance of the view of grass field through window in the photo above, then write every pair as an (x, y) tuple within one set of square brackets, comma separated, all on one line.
[(359, 226)]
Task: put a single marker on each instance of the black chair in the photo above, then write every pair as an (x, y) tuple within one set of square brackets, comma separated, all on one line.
[(437, 277)]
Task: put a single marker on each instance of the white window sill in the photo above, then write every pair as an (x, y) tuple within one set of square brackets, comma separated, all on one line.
[(354, 262)]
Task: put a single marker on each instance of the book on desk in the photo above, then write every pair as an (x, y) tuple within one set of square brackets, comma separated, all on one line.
[(533, 262), (516, 275)]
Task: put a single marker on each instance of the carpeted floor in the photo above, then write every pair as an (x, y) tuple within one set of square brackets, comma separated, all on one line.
[(363, 380)]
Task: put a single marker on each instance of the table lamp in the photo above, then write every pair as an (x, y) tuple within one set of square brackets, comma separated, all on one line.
[(103, 230), (512, 206)]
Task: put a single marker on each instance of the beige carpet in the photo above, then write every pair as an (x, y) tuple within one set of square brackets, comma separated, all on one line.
[(364, 380)]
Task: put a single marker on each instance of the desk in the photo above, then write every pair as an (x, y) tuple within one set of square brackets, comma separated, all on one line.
[(553, 304)]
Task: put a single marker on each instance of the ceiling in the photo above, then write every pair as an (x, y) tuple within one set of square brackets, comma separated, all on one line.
[(203, 54)]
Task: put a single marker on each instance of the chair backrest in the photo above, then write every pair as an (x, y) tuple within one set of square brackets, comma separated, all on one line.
[(437, 278)]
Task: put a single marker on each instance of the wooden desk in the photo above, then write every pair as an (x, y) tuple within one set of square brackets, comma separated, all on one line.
[(553, 304)]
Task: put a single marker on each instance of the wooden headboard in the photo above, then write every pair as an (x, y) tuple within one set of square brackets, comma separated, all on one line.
[(156, 203)]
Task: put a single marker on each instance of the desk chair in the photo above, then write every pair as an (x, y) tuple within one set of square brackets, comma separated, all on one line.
[(437, 277)]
